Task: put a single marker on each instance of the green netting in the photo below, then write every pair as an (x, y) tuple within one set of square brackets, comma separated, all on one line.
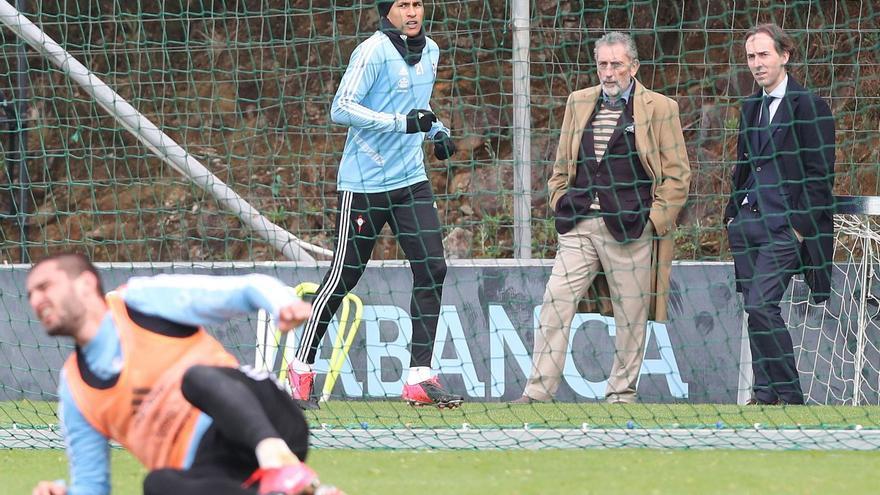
[(246, 86)]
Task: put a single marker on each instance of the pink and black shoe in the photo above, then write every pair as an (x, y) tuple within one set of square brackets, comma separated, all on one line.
[(430, 393), (296, 479)]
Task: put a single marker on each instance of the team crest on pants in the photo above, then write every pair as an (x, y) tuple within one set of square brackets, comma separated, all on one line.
[(360, 223)]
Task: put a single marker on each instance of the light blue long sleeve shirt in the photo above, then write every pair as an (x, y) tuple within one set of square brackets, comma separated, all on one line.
[(377, 90), (195, 300)]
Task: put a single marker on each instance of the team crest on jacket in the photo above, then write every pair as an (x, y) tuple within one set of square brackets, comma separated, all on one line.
[(403, 82)]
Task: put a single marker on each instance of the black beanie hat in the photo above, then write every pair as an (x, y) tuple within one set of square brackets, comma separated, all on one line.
[(384, 7)]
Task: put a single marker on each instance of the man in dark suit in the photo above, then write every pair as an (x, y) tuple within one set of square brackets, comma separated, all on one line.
[(779, 216)]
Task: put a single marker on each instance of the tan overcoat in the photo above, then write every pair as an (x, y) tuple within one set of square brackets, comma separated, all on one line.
[(661, 148)]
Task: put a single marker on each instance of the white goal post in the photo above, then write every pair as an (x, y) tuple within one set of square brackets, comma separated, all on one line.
[(155, 140)]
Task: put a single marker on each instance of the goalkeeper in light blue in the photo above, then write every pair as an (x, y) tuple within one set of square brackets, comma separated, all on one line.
[(385, 101), (383, 98)]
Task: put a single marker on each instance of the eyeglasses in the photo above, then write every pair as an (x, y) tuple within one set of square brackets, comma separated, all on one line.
[(611, 65)]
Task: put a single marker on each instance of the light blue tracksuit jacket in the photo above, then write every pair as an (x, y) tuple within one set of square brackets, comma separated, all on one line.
[(377, 90)]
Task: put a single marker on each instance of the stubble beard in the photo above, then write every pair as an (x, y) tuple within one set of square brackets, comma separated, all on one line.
[(69, 321)]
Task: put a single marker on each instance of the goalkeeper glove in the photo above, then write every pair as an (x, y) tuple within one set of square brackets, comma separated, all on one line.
[(443, 146), (419, 120)]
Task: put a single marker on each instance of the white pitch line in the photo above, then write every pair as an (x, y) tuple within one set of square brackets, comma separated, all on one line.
[(31, 438), (532, 439), (535, 439)]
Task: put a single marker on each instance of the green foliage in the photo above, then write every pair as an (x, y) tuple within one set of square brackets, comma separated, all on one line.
[(494, 235)]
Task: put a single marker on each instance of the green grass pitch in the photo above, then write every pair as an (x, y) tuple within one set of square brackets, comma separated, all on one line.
[(626, 471), (570, 471)]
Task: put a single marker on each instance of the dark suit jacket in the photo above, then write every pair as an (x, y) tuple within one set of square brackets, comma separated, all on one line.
[(799, 158)]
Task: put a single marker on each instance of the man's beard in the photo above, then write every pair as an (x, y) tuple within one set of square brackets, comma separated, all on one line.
[(616, 86), (62, 329), (69, 321)]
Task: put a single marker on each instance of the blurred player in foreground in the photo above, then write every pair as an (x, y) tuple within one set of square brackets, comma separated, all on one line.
[(147, 375)]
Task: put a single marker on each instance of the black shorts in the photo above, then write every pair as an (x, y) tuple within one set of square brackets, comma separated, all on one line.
[(221, 464)]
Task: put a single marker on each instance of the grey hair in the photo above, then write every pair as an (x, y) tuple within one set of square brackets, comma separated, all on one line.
[(614, 38)]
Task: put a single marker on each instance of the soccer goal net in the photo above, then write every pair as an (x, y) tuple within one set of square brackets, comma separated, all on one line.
[(838, 344)]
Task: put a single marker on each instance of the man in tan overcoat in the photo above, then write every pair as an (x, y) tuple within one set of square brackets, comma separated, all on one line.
[(619, 182)]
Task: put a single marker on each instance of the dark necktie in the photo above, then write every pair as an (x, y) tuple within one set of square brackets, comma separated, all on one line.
[(763, 129), (761, 134)]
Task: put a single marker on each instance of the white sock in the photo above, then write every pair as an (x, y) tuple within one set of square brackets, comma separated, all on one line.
[(274, 453), (418, 374), (300, 367)]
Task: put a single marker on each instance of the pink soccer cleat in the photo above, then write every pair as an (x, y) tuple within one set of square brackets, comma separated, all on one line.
[(296, 479), (430, 393)]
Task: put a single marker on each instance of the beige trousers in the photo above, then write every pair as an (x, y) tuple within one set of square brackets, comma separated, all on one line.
[(582, 252)]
